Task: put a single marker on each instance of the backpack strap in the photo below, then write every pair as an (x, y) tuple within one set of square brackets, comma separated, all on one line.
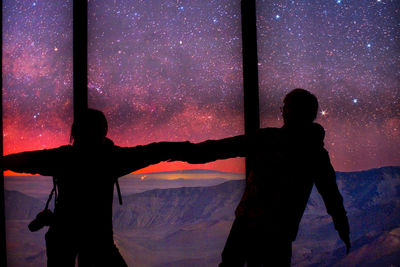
[(53, 192)]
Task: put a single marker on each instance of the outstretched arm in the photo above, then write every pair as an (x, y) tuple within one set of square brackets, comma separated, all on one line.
[(212, 150), (130, 159), (34, 162), (327, 187)]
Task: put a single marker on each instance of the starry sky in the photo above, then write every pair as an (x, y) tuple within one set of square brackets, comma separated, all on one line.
[(37, 74), (172, 70), (348, 54)]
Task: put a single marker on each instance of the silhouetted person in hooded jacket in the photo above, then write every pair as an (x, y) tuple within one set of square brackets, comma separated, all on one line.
[(288, 161), (85, 173)]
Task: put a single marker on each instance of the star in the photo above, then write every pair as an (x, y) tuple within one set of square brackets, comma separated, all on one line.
[(164, 75)]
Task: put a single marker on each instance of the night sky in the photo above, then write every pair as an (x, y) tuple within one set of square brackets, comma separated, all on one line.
[(171, 70), (348, 54)]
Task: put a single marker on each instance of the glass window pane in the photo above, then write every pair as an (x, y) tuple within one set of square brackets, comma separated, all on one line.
[(168, 70), (347, 53), (37, 109)]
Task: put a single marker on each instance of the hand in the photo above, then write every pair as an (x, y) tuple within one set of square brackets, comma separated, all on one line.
[(348, 247), (346, 239), (190, 153), (181, 151)]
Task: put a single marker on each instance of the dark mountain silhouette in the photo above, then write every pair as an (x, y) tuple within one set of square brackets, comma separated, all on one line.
[(178, 206), (20, 206), (381, 251), (188, 226), (134, 184), (40, 186)]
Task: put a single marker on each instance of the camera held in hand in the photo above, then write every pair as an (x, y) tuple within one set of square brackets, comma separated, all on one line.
[(44, 218)]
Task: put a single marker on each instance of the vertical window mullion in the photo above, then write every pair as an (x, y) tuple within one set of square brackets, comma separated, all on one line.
[(3, 252), (80, 79), (250, 71)]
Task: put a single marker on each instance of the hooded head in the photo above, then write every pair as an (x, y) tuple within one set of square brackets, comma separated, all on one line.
[(90, 129), (300, 107)]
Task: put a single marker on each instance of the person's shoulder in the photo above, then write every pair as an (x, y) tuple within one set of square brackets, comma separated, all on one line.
[(110, 146), (317, 131), (116, 150), (310, 135), (63, 148), (265, 136), (268, 131), (109, 142), (317, 127), (313, 136)]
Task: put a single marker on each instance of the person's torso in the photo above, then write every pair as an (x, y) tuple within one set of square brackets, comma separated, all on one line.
[(85, 182), (282, 178)]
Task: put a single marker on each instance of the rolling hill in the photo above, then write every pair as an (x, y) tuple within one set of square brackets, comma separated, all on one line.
[(188, 226)]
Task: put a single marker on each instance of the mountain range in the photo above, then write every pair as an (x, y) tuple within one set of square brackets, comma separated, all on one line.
[(188, 226)]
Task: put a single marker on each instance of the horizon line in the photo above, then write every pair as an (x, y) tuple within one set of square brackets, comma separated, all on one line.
[(187, 171)]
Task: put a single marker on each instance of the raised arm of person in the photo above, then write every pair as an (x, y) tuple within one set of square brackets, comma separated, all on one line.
[(130, 159), (43, 162), (327, 187), (211, 150)]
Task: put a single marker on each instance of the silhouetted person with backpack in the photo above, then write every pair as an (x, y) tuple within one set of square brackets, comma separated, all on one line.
[(85, 173), (288, 161)]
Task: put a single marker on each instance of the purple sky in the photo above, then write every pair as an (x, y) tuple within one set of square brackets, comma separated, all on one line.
[(171, 70)]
